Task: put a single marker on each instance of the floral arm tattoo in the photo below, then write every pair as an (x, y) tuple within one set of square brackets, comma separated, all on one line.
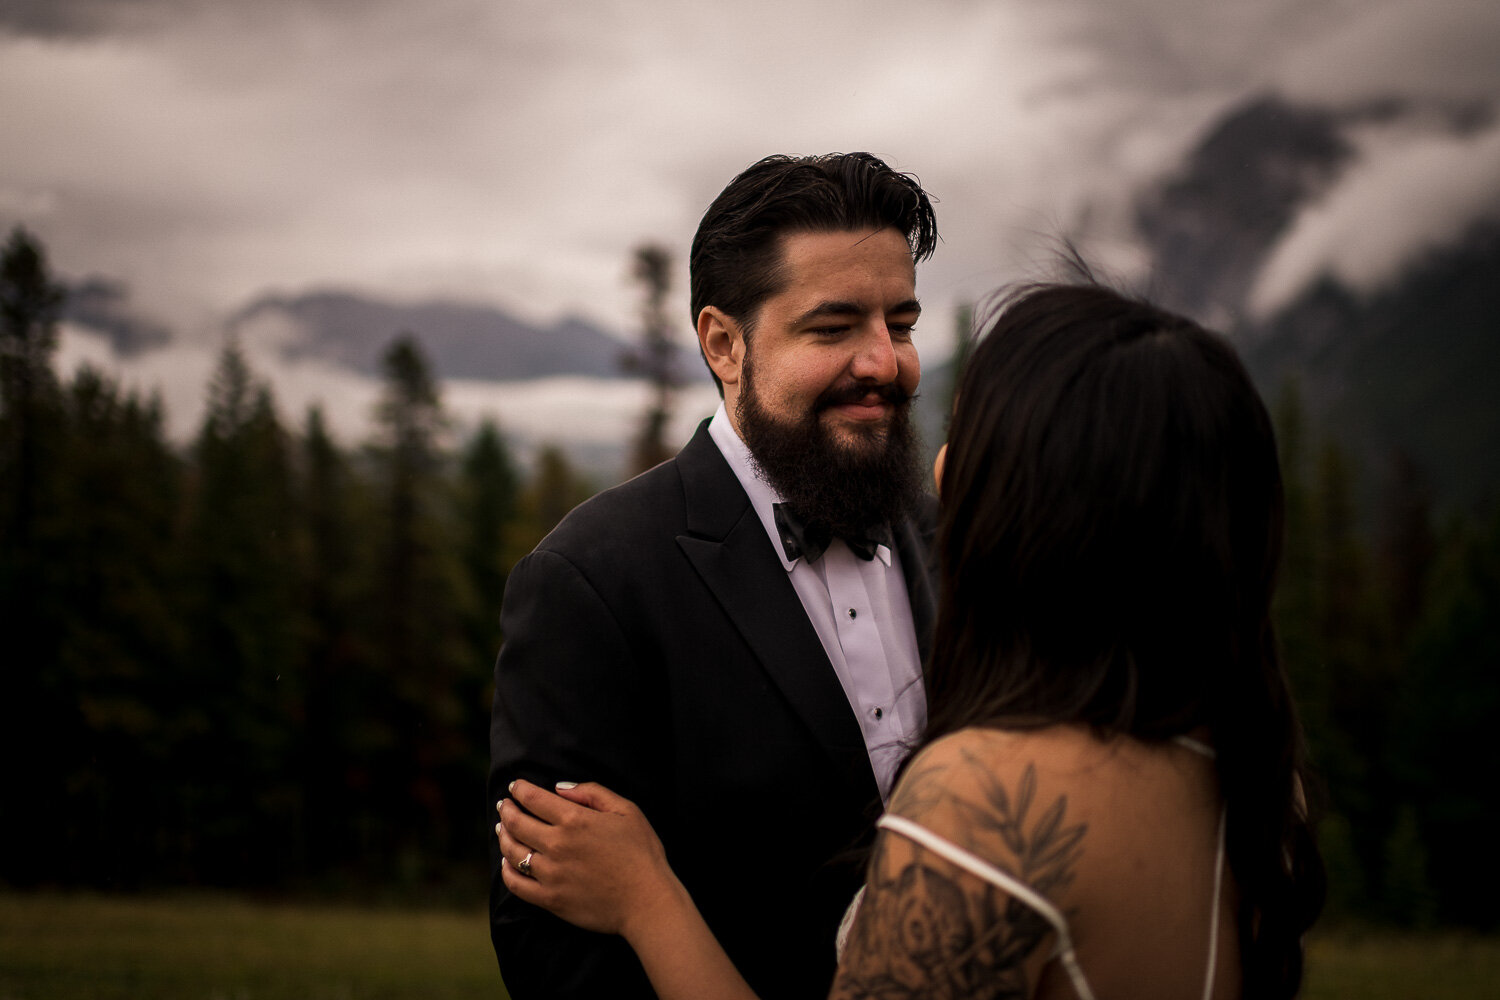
[(925, 929)]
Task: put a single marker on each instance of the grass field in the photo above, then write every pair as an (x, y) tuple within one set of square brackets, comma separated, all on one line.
[(83, 947), (215, 948), (1381, 965)]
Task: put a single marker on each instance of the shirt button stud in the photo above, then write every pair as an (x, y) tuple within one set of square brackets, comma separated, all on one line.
[(879, 713), (852, 613)]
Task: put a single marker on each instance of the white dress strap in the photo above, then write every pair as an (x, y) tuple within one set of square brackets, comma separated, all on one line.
[(1197, 746), (1205, 750), (1213, 917), (1001, 879)]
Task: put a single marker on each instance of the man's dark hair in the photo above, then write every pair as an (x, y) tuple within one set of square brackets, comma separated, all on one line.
[(736, 261)]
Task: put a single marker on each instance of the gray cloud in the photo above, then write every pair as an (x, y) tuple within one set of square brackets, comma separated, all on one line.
[(1442, 50), (65, 18), (82, 19), (205, 151), (1394, 184)]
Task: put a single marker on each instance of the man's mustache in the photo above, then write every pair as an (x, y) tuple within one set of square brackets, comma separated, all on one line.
[(855, 392)]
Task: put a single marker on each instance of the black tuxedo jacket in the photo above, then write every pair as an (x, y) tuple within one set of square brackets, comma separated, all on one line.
[(653, 643)]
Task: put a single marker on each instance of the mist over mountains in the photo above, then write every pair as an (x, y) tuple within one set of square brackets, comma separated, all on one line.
[(1352, 251), (103, 306), (1400, 363), (564, 383), (1214, 227), (461, 341)]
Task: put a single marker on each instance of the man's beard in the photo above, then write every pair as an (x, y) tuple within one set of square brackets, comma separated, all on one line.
[(852, 487)]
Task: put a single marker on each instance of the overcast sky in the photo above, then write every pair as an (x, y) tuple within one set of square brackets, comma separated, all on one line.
[(513, 152)]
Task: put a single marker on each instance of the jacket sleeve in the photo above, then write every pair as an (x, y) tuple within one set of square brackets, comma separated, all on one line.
[(570, 704)]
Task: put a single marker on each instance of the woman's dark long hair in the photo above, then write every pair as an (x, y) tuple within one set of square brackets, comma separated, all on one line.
[(1108, 548)]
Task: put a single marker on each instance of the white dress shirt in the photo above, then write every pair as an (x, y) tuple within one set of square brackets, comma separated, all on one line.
[(862, 615)]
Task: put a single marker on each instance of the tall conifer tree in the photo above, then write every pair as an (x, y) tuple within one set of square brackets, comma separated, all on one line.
[(244, 552), (39, 724), (489, 496), (338, 648), (655, 358), (429, 754)]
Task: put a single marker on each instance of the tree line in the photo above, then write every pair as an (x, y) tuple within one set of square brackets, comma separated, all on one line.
[(1389, 624), (264, 660), (261, 660)]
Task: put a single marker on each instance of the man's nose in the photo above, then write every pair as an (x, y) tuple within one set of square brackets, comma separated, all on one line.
[(875, 359)]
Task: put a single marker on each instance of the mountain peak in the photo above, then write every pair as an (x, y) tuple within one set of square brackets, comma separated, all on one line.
[(1212, 224), (464, 341)]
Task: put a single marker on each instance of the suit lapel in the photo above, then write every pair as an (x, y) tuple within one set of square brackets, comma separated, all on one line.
[(728, 547)]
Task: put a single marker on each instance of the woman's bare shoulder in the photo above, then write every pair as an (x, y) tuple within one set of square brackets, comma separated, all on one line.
[(933, 927), (1115, 833), (975, 766), (1004, 796)]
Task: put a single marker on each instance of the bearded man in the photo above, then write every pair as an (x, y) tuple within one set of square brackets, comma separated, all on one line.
[(734, 639)]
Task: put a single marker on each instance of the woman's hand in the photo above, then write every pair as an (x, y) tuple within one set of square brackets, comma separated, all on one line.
[(595, 861)]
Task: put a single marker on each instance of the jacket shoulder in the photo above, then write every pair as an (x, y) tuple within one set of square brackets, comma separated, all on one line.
[(644, 504)]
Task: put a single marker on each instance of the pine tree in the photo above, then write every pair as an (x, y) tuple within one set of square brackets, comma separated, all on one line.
[(1408, 545), (426, 760), (1449, 698), (656, 358), (1357, 670), (124, 636), (244, 560), (39, 723), (338, 650), (1303, 653), (30, 434), (29, 304), (487, 514), (554, 489)]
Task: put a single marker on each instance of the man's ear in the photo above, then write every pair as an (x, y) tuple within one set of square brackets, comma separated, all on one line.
[(723, 344)]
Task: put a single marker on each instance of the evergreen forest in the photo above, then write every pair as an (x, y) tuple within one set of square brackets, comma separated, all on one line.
[(263, 661)]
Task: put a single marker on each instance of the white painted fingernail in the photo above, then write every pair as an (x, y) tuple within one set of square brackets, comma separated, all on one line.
[(567, 784), (511, 787), (498, 828)]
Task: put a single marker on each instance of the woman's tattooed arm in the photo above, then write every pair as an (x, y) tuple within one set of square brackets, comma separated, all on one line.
[(929, 929)]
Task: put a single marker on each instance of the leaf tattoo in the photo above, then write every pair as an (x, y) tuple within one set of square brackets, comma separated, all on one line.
[(922, 933)]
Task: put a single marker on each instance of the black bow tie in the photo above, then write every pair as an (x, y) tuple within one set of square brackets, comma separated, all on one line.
[(809, 540)]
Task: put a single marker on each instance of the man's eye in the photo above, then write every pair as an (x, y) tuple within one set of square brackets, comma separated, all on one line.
[(830, 331), (901, 329)]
